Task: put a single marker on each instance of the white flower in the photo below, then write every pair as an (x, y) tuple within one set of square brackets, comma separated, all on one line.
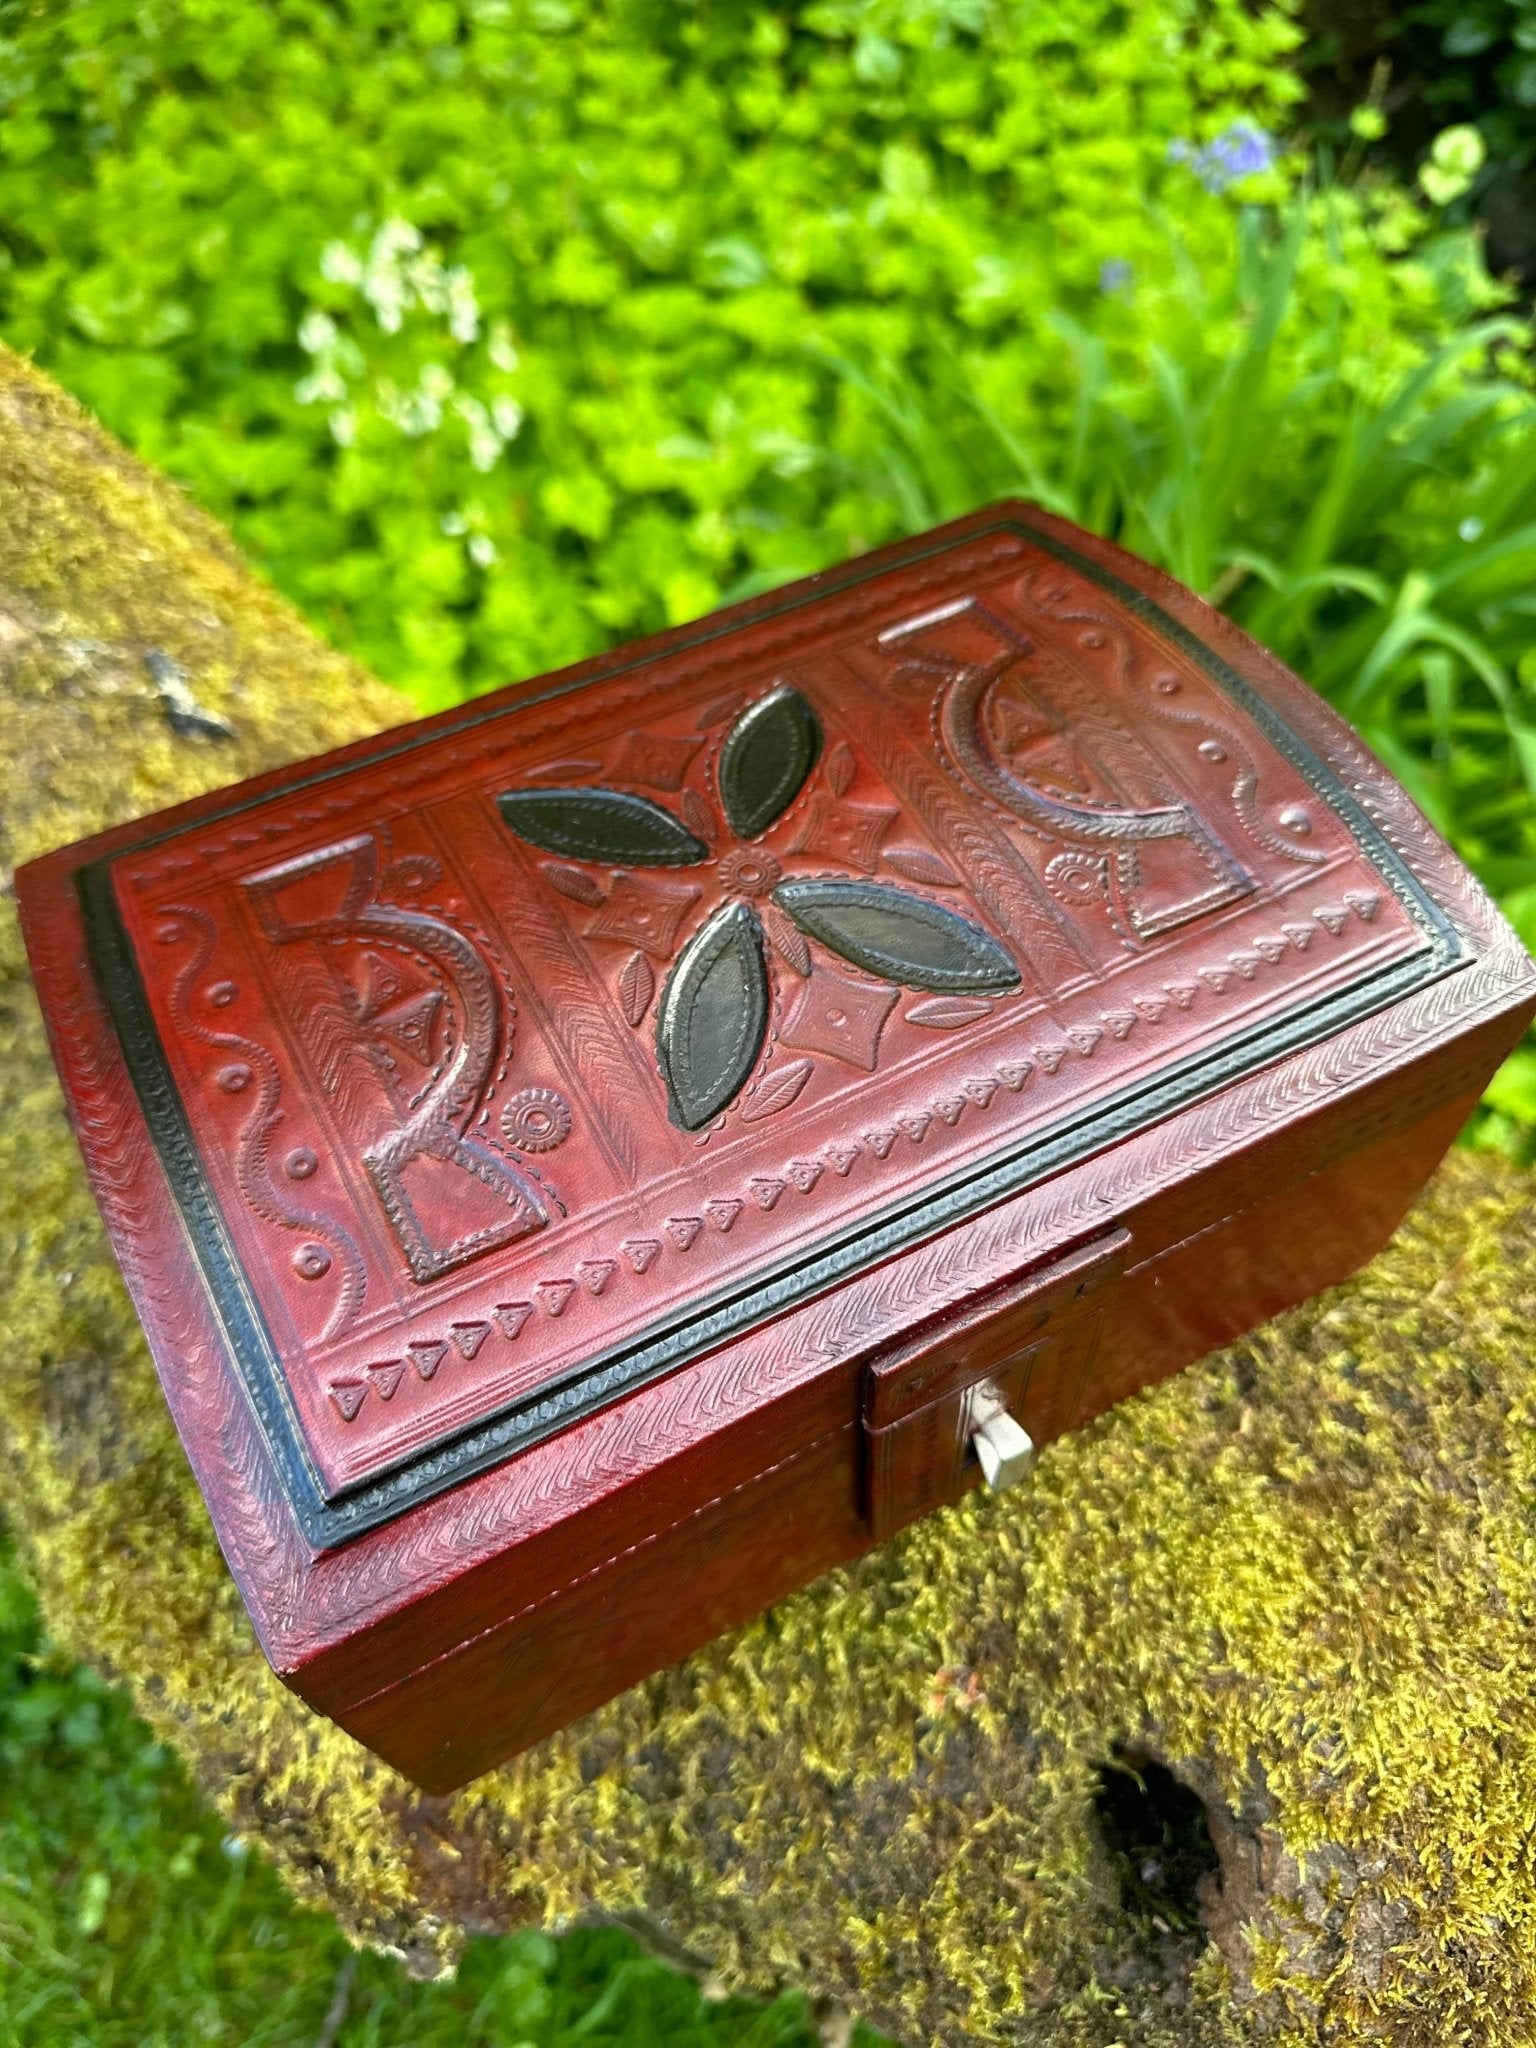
[(482, 550), (426, 281), (383, 278), (508, 416), (463, 307), (323, 386), (341, 264), (317, 332), (500, 348), (402, 270), (420, 411), (385, 292), (485, 444), (394, 239)]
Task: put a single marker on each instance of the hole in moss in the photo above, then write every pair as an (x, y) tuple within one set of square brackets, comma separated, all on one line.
[(1159, 1841)]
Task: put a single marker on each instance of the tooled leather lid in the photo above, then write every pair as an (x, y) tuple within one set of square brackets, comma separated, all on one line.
[(517, 1061)]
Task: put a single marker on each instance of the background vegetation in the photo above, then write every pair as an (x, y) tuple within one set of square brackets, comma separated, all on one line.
[(1427, 67), (127, 1920), (501, 329)]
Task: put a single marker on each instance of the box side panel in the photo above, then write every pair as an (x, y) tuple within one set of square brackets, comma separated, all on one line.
[(650, 1606), (1238, 1272), (800, 1378), (643, 1495), (1330, 1130), (657, 1600)]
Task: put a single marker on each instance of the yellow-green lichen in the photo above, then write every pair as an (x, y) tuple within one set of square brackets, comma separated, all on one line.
[(1305, 1571)]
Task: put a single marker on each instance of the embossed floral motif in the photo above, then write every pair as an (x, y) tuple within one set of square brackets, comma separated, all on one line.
[(749, 871), (713, 1013), (849, 834), (660, 761), (536, 1120)]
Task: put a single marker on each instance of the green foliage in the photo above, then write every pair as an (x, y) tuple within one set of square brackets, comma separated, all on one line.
[(497, 328), (1455, 157), (1444, 93), (1477, 61), (126, 1922), (1378, 535)]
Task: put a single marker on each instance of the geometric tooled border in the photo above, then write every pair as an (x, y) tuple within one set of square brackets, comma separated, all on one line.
[(608, 1376)]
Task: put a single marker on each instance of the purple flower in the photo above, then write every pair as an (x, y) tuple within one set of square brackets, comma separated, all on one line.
[(1115, 275), (1239, 151)]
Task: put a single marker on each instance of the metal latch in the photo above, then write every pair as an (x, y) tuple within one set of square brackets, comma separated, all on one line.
[(944, 1405), (1005, 1449)]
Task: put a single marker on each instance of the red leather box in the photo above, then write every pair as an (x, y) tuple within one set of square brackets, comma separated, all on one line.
[(595, 1159)]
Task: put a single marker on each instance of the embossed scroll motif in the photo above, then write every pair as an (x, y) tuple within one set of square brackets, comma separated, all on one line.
[(713, 1015), (1016, 721), (248, 1071), (448, 1196)]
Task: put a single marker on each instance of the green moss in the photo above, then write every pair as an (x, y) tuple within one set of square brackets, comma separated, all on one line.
[(103, 564), (1303, 1571)]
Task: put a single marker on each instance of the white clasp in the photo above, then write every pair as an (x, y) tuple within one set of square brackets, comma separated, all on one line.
[(1006, 1451)]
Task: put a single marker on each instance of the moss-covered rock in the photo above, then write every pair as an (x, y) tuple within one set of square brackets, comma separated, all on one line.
[(1301, 1575)]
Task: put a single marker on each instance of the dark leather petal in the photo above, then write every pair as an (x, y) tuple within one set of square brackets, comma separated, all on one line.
[(767, 755), (601, 824), (714, 1012), (900, 937)]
